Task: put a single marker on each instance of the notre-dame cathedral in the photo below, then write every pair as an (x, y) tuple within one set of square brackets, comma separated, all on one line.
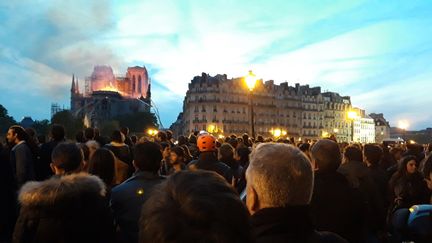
[(106, 96)]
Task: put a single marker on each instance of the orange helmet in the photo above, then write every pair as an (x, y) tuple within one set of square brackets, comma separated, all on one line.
[(206, 143)]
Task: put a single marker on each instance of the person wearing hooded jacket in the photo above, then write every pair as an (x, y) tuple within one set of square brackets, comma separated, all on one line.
[(68, 207)]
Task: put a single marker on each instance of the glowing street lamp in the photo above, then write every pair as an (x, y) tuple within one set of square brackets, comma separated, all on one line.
[(211, 128), (352, 115), (152, 132), (250, 81), (278, 132), (325, 134)]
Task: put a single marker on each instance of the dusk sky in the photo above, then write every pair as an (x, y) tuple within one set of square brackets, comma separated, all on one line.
[(377, 52)]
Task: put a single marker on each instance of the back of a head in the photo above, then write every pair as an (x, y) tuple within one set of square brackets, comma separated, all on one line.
[(31, 132), (148, 156), (353, 153), (67, 156), (102, 165), (233, 142), (79, 137), (226, 151), (243, 152), (280, 174), (188, 156), (327, 155), (208, 211), (57, 132), (260, 139), (245, 137), (192, 139), (304, 147), (134, 139), (164, 145), (124, 130), (162, 136), (89, 133), (169, 134), (117, 136), (182, 140), (372, 153)]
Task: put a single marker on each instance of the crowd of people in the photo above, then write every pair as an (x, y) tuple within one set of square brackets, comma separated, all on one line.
[(199, 188)]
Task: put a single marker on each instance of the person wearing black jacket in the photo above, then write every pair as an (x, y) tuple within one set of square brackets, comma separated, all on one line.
[(21, 157), (42, 167), (359, 176), (127, 198), (207, 159), (372, 155), (334, 203), (279, 189)]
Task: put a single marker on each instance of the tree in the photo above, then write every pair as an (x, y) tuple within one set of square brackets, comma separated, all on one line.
[(106, 128), (5, 120), (41, 127), (71, 124), (137, 122)]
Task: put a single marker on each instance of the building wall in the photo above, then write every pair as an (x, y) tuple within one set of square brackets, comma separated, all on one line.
[(224, 105), (382, 127), (364, 130), (381, 133), (335, 116)]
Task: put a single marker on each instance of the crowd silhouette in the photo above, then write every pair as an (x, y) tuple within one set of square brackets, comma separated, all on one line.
[(200, 188)]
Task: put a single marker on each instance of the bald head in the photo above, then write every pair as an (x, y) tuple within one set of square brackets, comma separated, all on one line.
[(326, 155)]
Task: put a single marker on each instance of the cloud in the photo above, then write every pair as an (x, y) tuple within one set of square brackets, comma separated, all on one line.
[(361, 48)]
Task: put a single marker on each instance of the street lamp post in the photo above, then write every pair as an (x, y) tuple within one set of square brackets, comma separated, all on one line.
[(250, 81), (352, 115)]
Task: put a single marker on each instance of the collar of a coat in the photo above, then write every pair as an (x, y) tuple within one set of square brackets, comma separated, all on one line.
[(296, 219)]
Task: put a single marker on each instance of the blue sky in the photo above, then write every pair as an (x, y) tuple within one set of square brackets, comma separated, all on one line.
[(378, 52)]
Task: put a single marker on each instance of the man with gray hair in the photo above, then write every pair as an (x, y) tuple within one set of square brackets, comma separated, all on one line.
[(279, 190)]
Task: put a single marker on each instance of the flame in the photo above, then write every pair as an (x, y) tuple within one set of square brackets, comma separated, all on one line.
[(110, 87)]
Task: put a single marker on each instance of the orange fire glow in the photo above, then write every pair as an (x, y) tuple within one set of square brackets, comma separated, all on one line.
[(110, 87)]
